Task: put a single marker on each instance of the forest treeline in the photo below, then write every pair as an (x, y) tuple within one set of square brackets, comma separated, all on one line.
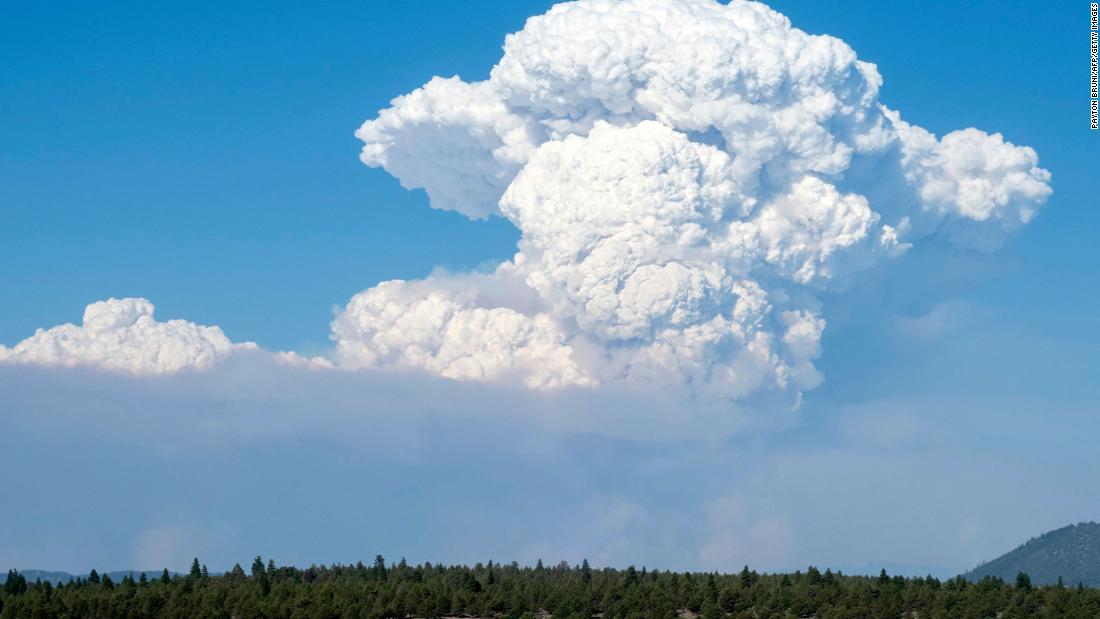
[(509, 591)]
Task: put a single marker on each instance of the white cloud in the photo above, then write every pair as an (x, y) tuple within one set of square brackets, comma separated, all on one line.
[(686, 176), (615, 228), (806, 234), (446, 334), (456, 140), (982, 186), (121, 335)]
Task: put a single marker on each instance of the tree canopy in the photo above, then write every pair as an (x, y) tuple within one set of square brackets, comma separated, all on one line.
[(511, 591)]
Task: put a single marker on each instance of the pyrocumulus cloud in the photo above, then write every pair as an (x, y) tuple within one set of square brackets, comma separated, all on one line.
[(687, 177)]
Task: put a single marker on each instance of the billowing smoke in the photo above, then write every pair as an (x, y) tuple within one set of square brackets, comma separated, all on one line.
[(686, 176), (122, 335), (395, 324)]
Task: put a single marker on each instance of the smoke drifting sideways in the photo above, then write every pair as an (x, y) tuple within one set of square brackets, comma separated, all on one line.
[(687, 178)]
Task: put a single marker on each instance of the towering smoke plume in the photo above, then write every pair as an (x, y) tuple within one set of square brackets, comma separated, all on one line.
[(686, 177)]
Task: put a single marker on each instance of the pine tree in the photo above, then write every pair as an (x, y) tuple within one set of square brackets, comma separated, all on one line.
[(16, 583), (93, 577), (516, 593), (196, 569), (586, 572), (712, 589), (746, 578), (258, 567), (164, 577)]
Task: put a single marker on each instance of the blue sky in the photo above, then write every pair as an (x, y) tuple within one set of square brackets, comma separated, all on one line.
[(215, 143), (203, 157)]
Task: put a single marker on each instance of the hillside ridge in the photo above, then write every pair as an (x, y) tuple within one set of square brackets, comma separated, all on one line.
[(1071, 553)]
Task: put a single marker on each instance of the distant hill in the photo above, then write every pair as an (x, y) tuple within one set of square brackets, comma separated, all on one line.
[(1072, 553), (56, 577)]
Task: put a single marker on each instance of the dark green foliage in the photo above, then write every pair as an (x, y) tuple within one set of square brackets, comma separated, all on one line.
[(258, 570), (509, 591), (56, 578), (15, 583), (1071, 553)]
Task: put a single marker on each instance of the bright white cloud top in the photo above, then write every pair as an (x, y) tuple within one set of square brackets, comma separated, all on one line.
[(686, 175), (122, 335), (687, 178)]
